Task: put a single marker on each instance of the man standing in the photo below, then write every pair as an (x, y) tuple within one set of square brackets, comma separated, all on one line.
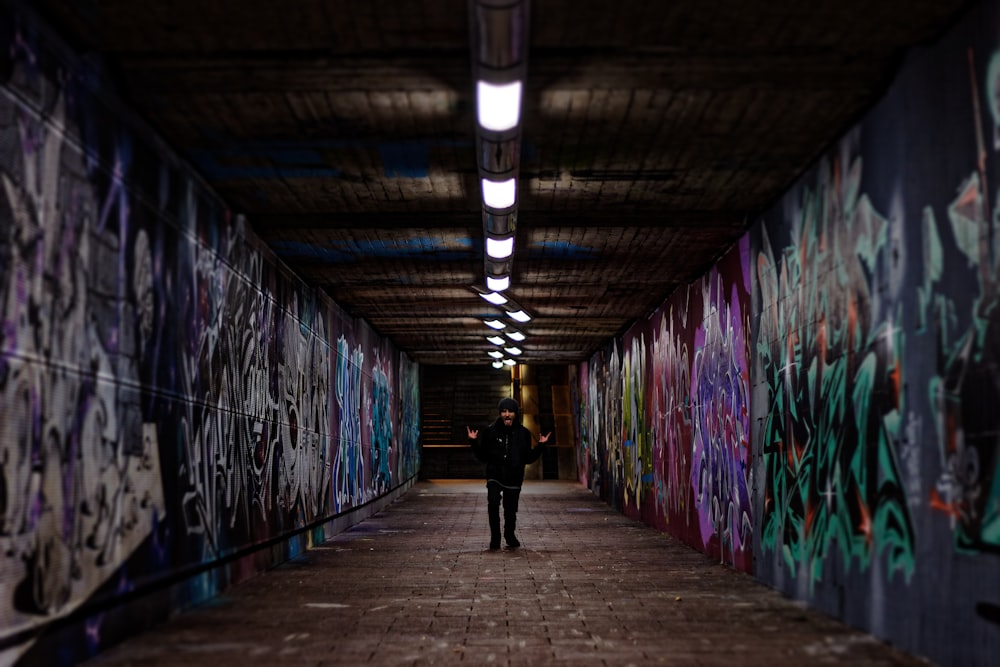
[(505, 448)]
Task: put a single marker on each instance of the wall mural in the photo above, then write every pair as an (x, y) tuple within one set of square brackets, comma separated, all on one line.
[(169, 395), (349, 462), (831, 356), (856, 328), (668, 423), (604, 426), (964, 390), (671, 366), (637, 438), (720, 411), (876, 356), (79, 466)]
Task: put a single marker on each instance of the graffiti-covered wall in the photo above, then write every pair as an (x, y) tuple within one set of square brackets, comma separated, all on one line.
[(876, 385), (666, 415), (171, 397), (822, 409)]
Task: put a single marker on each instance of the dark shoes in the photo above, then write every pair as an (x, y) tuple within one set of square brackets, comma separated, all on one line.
[(512, 543)]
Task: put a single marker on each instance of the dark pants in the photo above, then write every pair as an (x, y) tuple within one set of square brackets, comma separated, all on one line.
[(495, 492)]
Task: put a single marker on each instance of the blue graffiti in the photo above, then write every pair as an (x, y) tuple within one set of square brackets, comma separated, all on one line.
[(565, 250), (348, 470), (310, 159), (381, 428), (453, 248)]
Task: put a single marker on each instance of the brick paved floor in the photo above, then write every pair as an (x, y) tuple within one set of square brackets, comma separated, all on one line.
[(415, 585)]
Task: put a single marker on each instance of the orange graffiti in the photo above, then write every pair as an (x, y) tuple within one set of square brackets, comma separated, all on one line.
[(938, 503), (895, 381), (865, 525)]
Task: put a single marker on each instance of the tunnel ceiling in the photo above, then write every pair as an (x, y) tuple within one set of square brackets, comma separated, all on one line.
[(652, 133)]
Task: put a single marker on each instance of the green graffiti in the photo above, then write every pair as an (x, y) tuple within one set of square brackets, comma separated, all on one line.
[(831, 361), (968, 487), (637, 445)]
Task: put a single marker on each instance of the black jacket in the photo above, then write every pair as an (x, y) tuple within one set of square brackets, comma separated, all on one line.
[(505, 451)]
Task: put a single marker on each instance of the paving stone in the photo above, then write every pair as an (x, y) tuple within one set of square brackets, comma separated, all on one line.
[(415, 585)]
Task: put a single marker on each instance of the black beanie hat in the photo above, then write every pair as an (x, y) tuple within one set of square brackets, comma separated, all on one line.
[(508, 404)]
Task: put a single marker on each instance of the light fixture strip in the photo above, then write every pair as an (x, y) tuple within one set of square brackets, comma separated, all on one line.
[(495, 298), (498, 105), (497, 284), (499, 248), (499, 40), (499, 195)]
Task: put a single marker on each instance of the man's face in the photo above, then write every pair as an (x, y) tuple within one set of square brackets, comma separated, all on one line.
[(507, 416)]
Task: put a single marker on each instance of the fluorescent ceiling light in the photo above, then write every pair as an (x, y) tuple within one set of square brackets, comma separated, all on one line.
[(494, 324), (497, 364), (509, 362), (494, 297), (512, 350), (515, 335), (520, 315), (499, 248), (497, 284), (498, 105), (496, 340), (496, 354), (499, 194)]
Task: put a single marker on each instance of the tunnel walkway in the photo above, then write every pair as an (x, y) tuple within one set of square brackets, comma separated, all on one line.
[(415, 585)]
